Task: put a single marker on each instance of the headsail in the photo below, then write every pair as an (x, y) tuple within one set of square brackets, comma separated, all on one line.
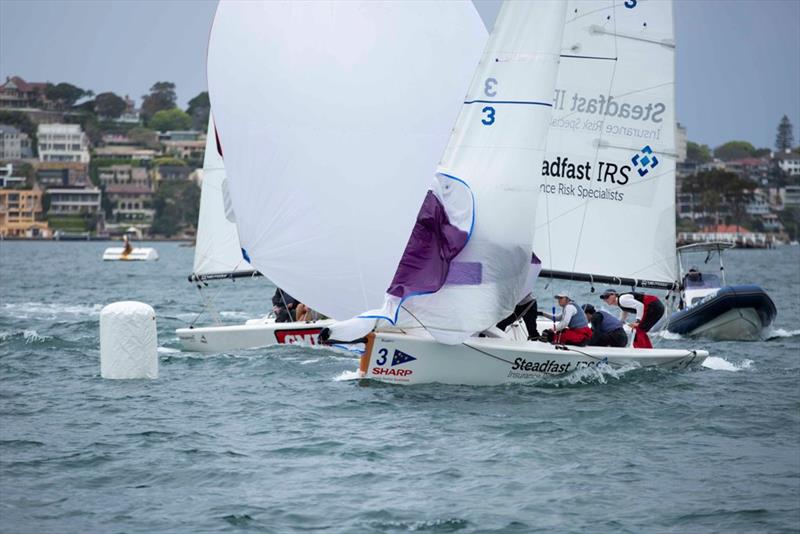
[(608, 207), (332, 116), (216, 253), (469, 256)]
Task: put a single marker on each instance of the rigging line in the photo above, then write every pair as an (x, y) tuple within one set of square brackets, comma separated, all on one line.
[(463, 342)]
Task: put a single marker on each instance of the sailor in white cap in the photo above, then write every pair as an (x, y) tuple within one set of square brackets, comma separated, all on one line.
[(572, 327)]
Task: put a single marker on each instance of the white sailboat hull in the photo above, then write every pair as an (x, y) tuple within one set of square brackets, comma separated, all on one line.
[(137, 254), (411, 359), (251, 335)]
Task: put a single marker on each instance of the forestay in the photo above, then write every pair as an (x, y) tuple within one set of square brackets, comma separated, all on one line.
[(332, 117), (608, 179), (466, 263)]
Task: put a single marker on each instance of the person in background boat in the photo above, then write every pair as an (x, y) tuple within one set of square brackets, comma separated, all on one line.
[(128, 248), (647, 308), (607, 330), (526, 309), (572, 327), (692, 276), (284, 306)]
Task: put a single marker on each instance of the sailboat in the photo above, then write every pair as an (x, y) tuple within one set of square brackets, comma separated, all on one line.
[(344, 157), (217, 257), (606, 214)]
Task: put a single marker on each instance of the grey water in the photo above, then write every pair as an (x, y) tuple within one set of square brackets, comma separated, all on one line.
[(280, 440)]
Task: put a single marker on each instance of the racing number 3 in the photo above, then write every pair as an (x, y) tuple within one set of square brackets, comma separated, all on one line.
[(382, 360), (489, 119), (489, 90)]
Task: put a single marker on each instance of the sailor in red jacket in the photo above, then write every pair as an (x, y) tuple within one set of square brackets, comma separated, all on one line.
[(572, 327), (647, 308)]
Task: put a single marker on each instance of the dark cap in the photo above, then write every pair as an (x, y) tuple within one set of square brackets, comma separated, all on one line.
[(607, 293), (588, 308)]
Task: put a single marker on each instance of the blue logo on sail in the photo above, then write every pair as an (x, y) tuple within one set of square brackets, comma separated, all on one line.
[(644, 161), (401, 357)]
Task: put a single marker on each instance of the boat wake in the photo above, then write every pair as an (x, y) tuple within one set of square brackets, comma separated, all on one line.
[(48, 310), (777, 333), (721, 364), (30, 336), (347, 375), (666, 334)]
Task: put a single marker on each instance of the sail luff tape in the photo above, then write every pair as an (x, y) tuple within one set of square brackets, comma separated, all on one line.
[(128, 341)]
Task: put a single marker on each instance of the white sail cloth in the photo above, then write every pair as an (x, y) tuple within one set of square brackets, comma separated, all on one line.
[(332, 117), (217, 248), (498, 139), (608, 206)]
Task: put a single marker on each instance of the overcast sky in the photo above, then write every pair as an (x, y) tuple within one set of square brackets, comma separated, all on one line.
[(738, 60)]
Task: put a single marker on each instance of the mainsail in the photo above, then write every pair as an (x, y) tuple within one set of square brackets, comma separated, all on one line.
[(332, 117), (216, 253), (467, 261), (608, 208)]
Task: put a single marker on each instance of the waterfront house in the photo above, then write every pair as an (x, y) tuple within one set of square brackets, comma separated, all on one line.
[(62, 142), (14, 144), (21, 213)]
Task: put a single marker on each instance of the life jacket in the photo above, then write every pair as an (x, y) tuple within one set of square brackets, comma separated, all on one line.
[(608, 324), (579, 319)]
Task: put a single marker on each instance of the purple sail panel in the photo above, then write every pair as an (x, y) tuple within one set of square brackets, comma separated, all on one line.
[(434, 242)]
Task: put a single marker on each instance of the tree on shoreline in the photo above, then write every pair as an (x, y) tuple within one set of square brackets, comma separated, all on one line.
[(162, 97), (733, 150), (785, 137), (199, 109), (109, 105), (723, 195), (697, 153)]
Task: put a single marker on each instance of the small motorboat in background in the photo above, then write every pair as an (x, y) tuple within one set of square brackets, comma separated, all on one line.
[(712, 309)]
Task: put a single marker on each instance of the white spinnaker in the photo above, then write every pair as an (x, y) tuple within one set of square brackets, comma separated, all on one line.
[(332, 117), (217, 249), (624, 50), (498, 138)]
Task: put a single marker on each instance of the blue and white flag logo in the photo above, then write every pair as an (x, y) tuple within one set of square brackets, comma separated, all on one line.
[(644, 161), (401, 357)]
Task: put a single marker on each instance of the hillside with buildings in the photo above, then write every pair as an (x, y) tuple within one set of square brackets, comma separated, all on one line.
[(76, 163)]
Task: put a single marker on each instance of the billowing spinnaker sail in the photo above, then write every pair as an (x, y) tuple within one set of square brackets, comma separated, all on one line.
[(479, 213), (217, 251), (332, 117), (608, 179)]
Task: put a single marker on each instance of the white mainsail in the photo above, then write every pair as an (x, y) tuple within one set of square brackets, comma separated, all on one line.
[(608, 179), (216, 253), (332, 117)]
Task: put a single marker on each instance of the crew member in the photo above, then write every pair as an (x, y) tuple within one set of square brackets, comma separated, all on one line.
[(647, 308), (607, 330), (127, 248), (572, 327), (528, 311), (284, 306)]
